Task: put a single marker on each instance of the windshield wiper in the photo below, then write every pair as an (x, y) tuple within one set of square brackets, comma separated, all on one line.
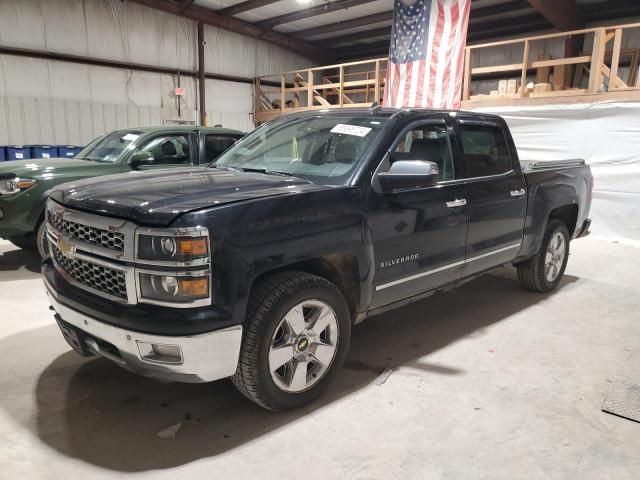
[(265, 171)]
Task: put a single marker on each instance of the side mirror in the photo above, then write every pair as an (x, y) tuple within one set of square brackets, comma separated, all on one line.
[(405, 174), (140, 159)]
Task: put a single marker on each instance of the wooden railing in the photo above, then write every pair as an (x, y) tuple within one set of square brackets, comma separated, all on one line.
[(576, 76), (353, 84), (601, 64)]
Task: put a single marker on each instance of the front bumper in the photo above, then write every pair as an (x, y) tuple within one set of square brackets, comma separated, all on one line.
[(203, 357), (584, 228)]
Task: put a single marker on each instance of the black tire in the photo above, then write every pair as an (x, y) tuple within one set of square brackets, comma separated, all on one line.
[(42, 242), (532, 273), (270, 300)]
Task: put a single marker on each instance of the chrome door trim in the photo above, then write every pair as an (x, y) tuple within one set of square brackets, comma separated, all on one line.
[(445, 267)]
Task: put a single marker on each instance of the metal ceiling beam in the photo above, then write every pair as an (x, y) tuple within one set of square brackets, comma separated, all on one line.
[(354, 37), (496, 28), (353, 23), (210, 17), (311, 12), (611, 10), (245, 7), (562, 14), (478, 13), (499, 9)]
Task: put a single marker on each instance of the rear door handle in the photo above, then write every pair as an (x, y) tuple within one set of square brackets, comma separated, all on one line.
[(518, 193), (458, 202)]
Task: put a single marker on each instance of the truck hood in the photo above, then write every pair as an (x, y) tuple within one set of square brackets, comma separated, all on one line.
[(47, 167), (157, 198)]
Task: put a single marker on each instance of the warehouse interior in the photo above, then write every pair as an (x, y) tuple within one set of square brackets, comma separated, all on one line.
[(485, 380)]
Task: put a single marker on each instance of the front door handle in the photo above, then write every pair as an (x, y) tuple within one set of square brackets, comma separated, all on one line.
[(458, 202), (518, 193)]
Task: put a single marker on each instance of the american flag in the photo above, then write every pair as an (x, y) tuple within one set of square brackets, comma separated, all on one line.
[(426, 57)]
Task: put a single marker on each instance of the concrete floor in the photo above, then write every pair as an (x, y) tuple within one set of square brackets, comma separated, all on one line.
[(493, 382)]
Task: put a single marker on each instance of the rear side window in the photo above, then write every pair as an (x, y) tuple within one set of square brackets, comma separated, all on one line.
[(214, 145), (485, 150)]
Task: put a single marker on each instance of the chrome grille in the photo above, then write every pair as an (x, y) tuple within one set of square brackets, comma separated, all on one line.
[(100, 278), (85, 233)]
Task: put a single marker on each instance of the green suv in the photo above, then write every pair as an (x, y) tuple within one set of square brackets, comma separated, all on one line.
[(25, 184)]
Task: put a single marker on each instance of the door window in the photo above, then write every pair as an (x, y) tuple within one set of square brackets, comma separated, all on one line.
[(428, 142), (485, 150), (172, 149), (214, 145)]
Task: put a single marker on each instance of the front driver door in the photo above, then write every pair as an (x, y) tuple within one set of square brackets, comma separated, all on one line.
[(419, 234)]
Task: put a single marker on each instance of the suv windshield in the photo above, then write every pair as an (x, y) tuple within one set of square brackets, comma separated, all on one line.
[(109, 148), (325, 148)]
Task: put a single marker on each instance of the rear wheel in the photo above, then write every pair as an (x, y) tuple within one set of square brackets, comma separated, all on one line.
[(296, 339), (544, 271)]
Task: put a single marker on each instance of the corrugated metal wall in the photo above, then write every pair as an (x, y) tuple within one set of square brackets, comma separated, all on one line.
[(44, 101)]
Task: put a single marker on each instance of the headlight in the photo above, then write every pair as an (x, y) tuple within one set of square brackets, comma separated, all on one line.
[(172, 248), (173, 288), (10, 186)]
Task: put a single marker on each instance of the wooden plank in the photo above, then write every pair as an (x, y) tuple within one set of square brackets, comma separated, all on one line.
[(615, 82), (630, 95), (560, 61), (309, 89), (523, 76), (341, 88), (497, 69), (597, 59), (466, 85), (282, 92), (559, 93), (548, 36), (377, 82), (615, 57)]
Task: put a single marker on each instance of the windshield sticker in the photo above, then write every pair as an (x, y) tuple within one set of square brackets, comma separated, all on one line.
[(130, 137), (355, 130)]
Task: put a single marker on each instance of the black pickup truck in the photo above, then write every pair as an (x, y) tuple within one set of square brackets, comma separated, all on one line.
[(256, 267)]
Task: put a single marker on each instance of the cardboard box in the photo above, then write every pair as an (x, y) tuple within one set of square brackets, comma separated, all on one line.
[(512, 86), (542, 87), (502, 87)]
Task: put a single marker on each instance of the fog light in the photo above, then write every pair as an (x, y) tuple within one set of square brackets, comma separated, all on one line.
[(160, 353)]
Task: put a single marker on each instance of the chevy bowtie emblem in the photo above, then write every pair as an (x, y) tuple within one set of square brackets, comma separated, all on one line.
[(67, 249)]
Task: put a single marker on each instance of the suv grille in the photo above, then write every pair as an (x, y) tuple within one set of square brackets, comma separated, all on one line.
[(93, 235), (92, 275)]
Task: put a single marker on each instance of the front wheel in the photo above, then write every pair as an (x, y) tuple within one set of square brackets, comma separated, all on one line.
[(544, 271), (296, 339)]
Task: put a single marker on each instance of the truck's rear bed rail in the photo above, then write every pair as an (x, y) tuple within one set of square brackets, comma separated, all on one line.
[(531, 165)]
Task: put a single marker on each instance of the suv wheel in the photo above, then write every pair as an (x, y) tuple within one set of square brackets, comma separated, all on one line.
[(296, 339), (544, 271)]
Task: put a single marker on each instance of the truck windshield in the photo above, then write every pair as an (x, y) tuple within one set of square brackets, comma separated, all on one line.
[(325, 149), (109, 148)]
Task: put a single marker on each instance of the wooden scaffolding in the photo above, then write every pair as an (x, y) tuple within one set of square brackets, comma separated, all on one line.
[(605, 71)]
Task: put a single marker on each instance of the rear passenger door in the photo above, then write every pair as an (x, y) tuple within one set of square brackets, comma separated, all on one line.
[(495, 191)]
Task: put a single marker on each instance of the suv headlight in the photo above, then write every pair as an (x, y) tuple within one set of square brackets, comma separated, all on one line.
[(173, 247), (10, 186)]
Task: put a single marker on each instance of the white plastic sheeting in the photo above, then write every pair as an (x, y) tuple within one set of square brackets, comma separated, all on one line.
[(45, 101), (607, 136)]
